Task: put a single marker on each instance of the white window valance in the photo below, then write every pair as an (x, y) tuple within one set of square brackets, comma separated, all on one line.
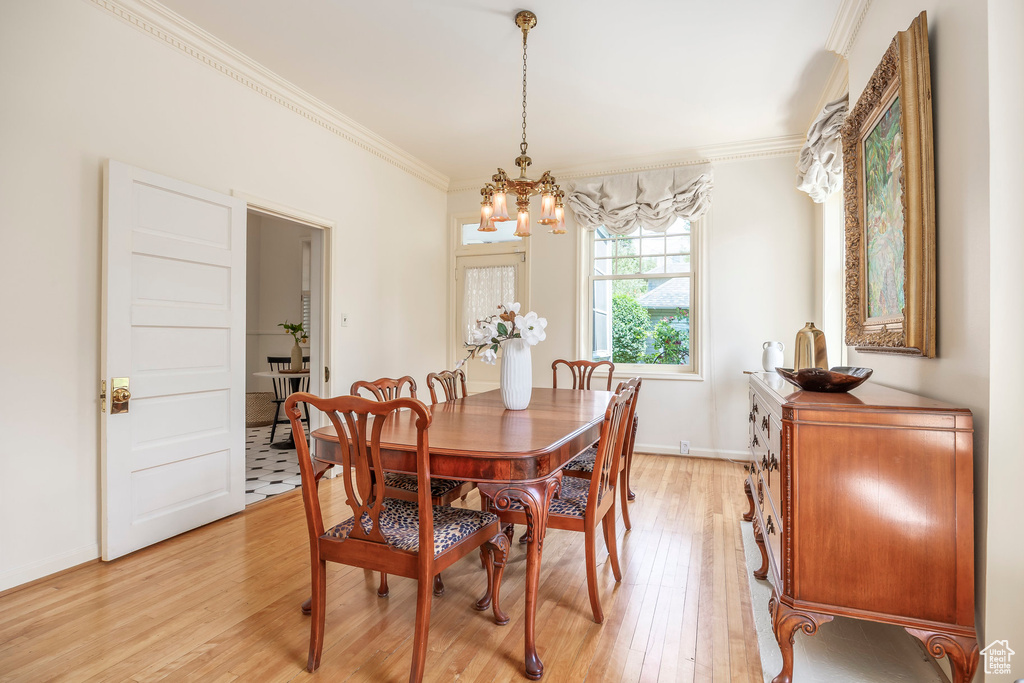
[(626, 202), (820, 168)]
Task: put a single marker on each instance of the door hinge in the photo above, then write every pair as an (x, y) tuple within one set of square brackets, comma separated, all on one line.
[(327, 374), (103, 395)]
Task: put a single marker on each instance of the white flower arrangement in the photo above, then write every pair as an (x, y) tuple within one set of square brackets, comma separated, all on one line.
[(506, 324)]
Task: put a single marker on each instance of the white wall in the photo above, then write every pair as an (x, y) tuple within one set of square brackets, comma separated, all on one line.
[(273, 292), (975, 85), (760, 280), (80, 86), (1004, 566)]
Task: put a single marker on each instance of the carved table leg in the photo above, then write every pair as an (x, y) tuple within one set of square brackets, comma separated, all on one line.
[(786, 621), (962, 651), (535, 498), (749, 514), (762, 571)]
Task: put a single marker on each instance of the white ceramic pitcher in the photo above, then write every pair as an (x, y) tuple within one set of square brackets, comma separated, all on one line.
[(772, 356)]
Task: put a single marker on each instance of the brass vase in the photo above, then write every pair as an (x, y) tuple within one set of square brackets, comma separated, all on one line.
[(809, 349)]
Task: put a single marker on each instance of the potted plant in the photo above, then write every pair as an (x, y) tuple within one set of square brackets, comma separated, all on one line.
[(515, 334), (298, 333)]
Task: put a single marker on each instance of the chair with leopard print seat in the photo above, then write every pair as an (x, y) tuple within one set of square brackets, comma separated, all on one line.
[(406, 486), (582, 466), (582, 503), (412, 539)]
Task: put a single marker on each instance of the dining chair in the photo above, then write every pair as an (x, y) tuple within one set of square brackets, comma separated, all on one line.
[(583, 503), (582, 466), (284, 386), (412, 539), (406, 486), (452, 382), (582, 372)]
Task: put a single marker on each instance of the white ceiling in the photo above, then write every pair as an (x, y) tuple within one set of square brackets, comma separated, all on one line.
[(608, 79)]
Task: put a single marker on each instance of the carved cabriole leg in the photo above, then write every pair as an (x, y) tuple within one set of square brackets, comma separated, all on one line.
[(535, 498), (762, 571), (962, 651), (786, 621), (749, 514), (496, 553)]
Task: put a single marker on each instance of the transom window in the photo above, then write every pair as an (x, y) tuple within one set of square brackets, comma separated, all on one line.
[(641, 297)]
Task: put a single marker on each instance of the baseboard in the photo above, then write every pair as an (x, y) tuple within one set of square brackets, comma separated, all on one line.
[(694, 452), (51, 565)]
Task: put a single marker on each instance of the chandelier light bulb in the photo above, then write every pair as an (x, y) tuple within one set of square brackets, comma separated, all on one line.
[(523, 224), (559, 223), (500, 208), (547, 209)]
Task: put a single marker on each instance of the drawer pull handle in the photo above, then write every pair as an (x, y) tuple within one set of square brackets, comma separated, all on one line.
[(769, 525)]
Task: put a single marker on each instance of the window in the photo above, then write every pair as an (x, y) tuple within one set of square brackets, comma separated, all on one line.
[(642, 303)]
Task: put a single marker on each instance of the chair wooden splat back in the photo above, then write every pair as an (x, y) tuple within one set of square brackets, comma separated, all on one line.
[(385, 388), (582, 372), (582, 466), (452, 382), (406, 486), (416, 540)]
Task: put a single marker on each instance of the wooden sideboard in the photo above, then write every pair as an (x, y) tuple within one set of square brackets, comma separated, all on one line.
[(863, 506)]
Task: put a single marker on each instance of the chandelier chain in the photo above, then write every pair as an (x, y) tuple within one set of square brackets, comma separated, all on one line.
[(524, 145)]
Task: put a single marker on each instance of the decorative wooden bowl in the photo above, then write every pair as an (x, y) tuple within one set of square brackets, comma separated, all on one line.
[(837, 380)]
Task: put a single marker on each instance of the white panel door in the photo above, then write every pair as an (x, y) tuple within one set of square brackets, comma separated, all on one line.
[(174, 326)]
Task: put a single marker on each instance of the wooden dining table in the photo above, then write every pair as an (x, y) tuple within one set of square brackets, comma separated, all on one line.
[(512, 455)]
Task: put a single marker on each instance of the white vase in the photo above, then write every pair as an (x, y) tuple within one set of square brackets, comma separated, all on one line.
[(516, 374), (772, 357), (296, 356)]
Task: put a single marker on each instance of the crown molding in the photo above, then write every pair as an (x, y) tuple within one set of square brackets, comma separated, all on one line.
[(846, 25), (176, 31), (734, 151)]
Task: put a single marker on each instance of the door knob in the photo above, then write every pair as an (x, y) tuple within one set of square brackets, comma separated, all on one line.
[(119, 396)]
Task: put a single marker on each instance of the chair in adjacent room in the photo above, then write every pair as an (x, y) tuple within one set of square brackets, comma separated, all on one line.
[(406, 486), (283, 386), (582, 503), (412, 539)]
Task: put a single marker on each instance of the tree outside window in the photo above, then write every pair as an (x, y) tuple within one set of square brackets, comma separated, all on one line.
[(641, 285)]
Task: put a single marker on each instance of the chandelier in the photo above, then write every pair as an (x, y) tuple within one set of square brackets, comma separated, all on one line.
[(494, 207)]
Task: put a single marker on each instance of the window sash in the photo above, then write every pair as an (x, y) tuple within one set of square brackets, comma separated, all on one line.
[(692, 275)]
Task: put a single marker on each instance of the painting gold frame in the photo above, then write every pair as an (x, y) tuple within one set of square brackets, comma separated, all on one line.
[(903, 73)]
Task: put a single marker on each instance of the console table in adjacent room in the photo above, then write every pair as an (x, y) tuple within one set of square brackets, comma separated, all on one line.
[(863, 506)]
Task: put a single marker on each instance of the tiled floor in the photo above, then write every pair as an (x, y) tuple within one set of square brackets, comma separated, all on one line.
[(842, 651), (268, 471)]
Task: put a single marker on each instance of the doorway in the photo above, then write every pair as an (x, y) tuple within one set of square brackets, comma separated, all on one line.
[(286, 269), (491, 268)]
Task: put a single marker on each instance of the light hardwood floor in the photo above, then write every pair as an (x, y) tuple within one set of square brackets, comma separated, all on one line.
[(221, 603)]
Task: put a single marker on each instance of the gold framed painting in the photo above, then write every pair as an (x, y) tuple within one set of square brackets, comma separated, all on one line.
[(889, 197)]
